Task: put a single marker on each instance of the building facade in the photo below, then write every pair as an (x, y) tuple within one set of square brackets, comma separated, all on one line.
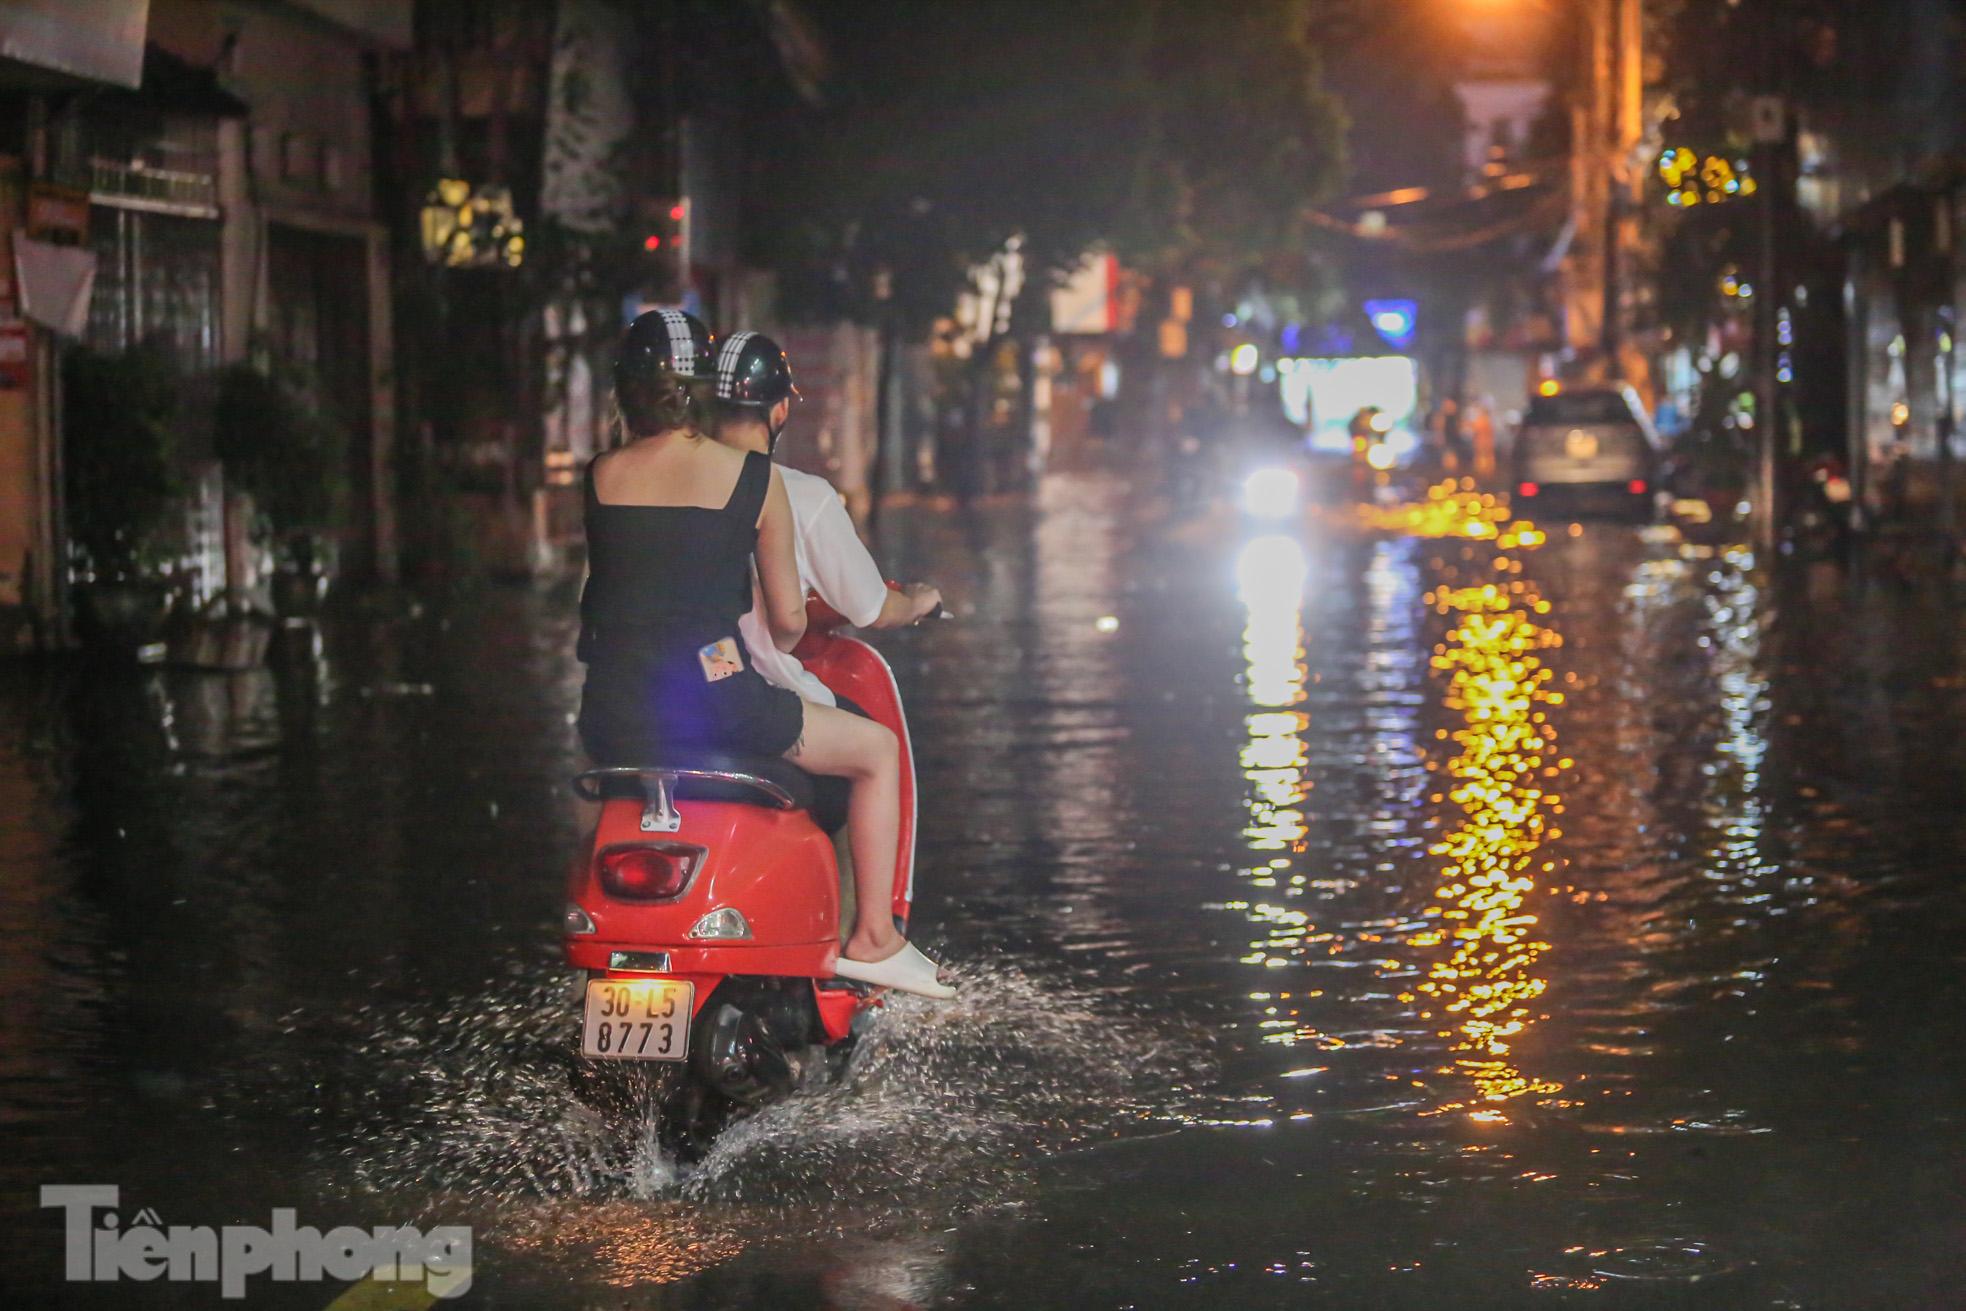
[(224, 194)]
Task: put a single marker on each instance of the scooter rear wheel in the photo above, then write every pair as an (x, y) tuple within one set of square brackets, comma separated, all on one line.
[(692, 1116)]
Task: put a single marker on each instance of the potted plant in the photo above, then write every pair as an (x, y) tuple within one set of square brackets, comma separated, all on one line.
[(118, 426), (293, 459)]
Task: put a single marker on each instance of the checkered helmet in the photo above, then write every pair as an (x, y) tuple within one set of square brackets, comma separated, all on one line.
[(751, 369), (664, 343)]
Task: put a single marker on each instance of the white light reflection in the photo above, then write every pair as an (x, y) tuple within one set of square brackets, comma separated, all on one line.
[(1270, 577), (1734, 608)]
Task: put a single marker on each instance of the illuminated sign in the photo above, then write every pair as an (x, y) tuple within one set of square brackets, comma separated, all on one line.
[(1323, 395), (1395, 320)]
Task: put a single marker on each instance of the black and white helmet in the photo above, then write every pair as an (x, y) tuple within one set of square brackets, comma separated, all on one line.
[(664, 343), (751, 369)]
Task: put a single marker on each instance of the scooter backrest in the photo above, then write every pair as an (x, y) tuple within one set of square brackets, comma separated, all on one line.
[(705, 776)]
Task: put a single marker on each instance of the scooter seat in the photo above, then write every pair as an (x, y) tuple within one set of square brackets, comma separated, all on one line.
[(781, 778)]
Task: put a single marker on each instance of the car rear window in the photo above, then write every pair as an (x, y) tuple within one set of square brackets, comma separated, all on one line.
[(1580, 407), (1543, 441)]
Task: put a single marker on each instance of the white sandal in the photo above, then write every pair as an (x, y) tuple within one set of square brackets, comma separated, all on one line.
[(906, 970)]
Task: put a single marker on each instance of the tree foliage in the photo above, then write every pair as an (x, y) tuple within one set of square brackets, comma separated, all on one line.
[(1180, 133), (1849, 78), (276, 443), (120, 414)]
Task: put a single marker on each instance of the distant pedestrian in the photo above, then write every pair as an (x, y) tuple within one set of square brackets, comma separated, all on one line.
[(1444, 432), (1481, 441)]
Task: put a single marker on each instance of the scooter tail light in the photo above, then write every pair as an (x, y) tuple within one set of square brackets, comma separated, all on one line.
[(1527, 489), (1637, 487), (648, 871)]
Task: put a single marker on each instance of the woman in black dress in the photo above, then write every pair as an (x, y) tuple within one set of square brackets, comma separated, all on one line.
[(673, 519)]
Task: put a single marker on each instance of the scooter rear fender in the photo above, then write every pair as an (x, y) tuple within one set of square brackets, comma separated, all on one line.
[(772, 866)]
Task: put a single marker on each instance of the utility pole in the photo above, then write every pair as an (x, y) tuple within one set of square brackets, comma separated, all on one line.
[(1607, 121), (1607, 57), (1771, 125), (1620, 96), (1627, 182), (1588, 268)]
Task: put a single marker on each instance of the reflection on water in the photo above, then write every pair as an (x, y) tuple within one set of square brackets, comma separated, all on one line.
[(1469, 960), (1271, 573), (1482, 934), (1270, 577), (1451, 509), (1734, 613), (1291, 803), (1499, 780)]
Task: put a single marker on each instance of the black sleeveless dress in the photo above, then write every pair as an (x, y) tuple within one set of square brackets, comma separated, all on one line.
[(666, 586)]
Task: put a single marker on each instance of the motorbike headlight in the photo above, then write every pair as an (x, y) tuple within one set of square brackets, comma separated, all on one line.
[(1270, 493), (1381, 456)]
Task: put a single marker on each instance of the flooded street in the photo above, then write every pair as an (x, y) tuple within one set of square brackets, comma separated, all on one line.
[(1454, 914)]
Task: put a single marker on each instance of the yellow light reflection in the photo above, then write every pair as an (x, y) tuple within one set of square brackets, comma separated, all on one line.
[(1480, 927), (1505, 755), (630, 1244), (1452, 508)]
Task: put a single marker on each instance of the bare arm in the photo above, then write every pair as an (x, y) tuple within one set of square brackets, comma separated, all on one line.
[(778, 568), (907, 604)]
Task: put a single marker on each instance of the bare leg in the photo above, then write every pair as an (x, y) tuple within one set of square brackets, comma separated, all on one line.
[(867, 755)]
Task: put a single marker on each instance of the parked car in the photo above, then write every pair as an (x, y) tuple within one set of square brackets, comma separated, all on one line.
[(1588, 451)]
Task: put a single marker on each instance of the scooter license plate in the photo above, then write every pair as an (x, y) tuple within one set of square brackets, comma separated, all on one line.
[(637, 1019)]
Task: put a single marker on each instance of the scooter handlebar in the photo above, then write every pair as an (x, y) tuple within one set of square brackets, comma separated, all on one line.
[(939, 612)]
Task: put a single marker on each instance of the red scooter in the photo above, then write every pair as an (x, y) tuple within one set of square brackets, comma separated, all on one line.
[(705, 917)]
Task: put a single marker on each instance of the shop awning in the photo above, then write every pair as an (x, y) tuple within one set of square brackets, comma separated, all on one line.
[(64, 42)]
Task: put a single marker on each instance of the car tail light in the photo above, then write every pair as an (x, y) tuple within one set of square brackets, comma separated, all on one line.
[(1526, 489), (1637, 487), (648, 871)]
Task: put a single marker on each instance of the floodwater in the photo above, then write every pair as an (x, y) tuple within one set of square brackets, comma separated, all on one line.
[(1451, 914)]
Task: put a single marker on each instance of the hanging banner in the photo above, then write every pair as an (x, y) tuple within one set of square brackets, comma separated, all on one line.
[(54, 283), (590, 115)]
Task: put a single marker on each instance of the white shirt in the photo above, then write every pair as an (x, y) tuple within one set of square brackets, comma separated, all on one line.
[(832, 562)]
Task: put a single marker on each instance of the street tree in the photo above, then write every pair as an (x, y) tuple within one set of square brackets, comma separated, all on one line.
[(1841, 73), (1186, 136)]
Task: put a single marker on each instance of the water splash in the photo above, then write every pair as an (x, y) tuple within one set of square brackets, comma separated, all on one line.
[(489, 1101)]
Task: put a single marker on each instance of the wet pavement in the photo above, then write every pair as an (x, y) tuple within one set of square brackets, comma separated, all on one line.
[(1455, 913)]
